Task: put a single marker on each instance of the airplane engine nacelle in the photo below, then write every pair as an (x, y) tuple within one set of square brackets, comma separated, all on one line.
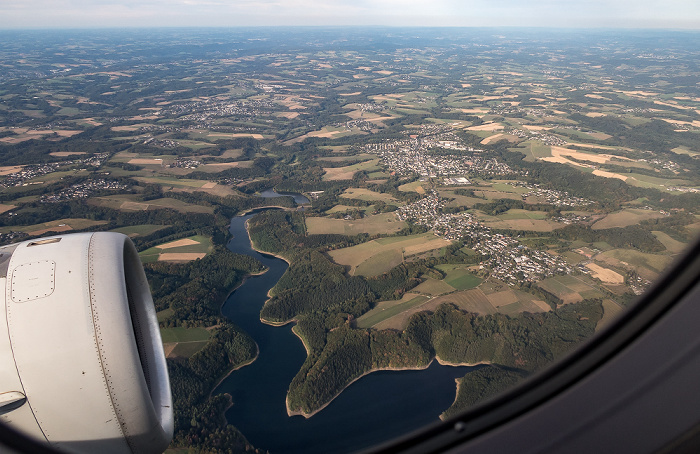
[(81, 361)]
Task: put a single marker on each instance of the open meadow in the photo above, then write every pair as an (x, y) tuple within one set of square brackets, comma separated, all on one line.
[(379, 256)]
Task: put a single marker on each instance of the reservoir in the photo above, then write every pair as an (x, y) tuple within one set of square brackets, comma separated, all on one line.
[(378, 407), (298, 198)]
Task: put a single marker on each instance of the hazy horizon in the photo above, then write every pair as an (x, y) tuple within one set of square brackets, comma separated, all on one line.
[(626, 14)]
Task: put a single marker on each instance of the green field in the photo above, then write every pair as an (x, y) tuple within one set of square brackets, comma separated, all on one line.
[(187, 349), (388, 309), (433, 287), (180, 334), (58, 226), (130, 202), (459, 277), (634, 258), (571, 289), (367, 195), (139, 230), (378, 256), (522, 214), (673, 246), (416, 186), (347, 172), (610, 311), (623, 218), (386, 223)]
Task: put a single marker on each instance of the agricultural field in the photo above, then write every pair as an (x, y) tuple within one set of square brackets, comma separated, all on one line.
[(623, 218), (130, 202), (570, 289), (672, 245), (459, 277), (647, 265), (516, 219), (367, 195), (611, 310), (416, 186), (347, 172), (183, 250), (433, 287), (379, 256), (58, 226), (139, 230), (385, 310), (385, 223), (183, 342), (459, 200)]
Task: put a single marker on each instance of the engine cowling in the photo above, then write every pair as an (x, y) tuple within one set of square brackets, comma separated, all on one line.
[(81, 359)]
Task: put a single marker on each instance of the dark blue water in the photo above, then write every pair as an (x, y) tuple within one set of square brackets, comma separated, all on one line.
[(298, 198), (378, 407)]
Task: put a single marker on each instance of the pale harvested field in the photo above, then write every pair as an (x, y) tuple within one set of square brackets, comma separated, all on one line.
[(672, 104), (168, 348), (351, 94), (486, 127), (253, 136), (135, 206), (606, 275), (561, 152), (146, 161), (128, 128), (427, 246), (338, 173), (62, 154), (536, 128), (62, 133), (595, 114), (600, 147), (8, 170), (695, 123), (534, 225), (5, 208), (209, 185), (224, 165), (590, 95), (490, 139), (287, 115), (323, 134), (639, 93), (542, 305), (62, 228), (503, 298), (606, 174), (180, 256), (178, 243)]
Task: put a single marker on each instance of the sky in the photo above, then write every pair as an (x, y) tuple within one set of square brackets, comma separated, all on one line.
[(670, 14)]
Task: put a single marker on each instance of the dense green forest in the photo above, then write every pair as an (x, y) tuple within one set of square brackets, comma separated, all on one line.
[(526, 343), (199, 420)]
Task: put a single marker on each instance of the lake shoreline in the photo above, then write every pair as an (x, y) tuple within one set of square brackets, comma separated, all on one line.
[(291, 412)]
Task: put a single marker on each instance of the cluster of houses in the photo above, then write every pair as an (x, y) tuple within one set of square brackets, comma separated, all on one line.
[(83, 190), (412, 156), (32, 171), (503, 256)]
